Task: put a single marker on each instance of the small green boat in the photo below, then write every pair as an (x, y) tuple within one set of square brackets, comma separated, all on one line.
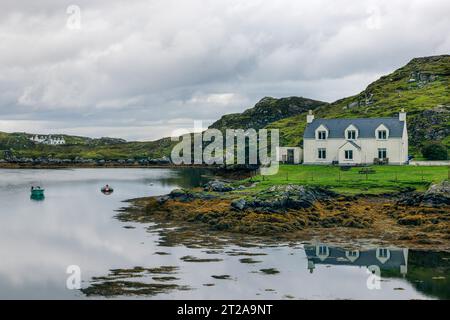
[(37, 193)]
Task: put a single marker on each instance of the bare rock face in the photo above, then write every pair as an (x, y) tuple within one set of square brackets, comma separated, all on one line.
[(438, 195), (430, 125)]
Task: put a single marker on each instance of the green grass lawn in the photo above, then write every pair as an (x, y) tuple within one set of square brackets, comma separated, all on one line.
[(385, 178)]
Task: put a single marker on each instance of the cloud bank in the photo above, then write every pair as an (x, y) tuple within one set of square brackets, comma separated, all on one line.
[(140, 69)]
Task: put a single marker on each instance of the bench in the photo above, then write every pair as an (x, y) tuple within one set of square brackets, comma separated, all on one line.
[(367, 171)]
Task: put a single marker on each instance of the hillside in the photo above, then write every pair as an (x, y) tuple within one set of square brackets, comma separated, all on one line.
[(87, 148), (266, 111), (421, 87)]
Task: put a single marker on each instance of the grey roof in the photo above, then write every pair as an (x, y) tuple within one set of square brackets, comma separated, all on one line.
[(366, 257), (366, 127), (352, 143)]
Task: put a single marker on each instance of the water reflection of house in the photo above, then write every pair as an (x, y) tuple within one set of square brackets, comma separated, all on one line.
[(385, 258)]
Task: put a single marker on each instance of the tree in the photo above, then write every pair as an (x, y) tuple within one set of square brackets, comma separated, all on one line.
[(435, 151)]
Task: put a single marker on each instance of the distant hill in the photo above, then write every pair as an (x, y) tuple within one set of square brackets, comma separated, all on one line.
[(266, 111), (422, 87), (84, 147)]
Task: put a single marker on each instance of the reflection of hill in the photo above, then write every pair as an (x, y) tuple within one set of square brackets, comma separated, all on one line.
[(424, 266), (428, 272), (186, 177)]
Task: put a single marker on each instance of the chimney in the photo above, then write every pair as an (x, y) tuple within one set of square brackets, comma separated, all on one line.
[(310, 117), (402, 115)]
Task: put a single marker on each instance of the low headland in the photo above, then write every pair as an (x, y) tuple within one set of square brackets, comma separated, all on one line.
[(393, 205)]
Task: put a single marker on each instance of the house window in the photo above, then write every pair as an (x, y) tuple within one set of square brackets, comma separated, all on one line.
[(322, 153), (348, 154), (322, 250), (383, 253), (351, 134), (382, 134), (352, 253), (322, 135), (382, 153)]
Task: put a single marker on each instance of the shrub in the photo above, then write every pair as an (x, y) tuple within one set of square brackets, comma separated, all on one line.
[(435, 151)]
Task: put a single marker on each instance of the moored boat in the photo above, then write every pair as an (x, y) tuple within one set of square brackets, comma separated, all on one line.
[(37, 193), (107, 189)]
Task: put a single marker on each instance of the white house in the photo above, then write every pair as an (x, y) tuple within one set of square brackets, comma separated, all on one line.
[(290, 155), (356, 141), (43, 139)]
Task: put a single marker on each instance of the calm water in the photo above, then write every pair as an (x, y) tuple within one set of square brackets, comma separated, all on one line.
[(75, 225)]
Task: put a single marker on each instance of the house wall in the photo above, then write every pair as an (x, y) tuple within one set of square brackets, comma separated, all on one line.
[(397, 150), (283, 151)]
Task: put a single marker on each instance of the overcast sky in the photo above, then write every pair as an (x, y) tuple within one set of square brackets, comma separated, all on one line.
[(139, 69)]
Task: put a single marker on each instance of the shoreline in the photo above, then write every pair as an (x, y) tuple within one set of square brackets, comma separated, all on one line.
[(99, 166), (374, 220)]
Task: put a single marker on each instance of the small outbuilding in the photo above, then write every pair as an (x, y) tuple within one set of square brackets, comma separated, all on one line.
[(290, 155)]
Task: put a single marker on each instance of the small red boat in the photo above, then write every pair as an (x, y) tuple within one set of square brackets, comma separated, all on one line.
[(107, 189)]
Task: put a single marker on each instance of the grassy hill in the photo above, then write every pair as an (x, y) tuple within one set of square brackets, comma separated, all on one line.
[(88, 148), (266, 111), (422, 87)]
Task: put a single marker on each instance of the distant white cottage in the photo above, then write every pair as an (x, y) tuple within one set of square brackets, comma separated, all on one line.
[(356, 141), (50, 140)]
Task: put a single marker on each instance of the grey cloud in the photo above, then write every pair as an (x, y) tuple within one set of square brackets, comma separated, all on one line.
[(144, 65)]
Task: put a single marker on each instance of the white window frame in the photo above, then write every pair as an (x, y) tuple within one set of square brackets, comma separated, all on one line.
[(350, 152), (321, 133), (320, 129), (319, 153), (378, 131), (382, 150), (353, 133), (353, 129)]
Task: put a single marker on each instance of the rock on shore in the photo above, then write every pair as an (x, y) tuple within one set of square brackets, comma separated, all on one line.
[(283, 197), (437, 195)]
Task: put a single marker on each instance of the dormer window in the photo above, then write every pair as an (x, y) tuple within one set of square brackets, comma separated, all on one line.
[(382, 134), (351, 134), (383, 253), (321, 132), (322, 135)]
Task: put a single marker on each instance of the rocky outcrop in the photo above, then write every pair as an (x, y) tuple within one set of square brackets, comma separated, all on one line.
[(283, 197), (437, 195), (183, 195), (430, 125), (266, 111), (218, 186)]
